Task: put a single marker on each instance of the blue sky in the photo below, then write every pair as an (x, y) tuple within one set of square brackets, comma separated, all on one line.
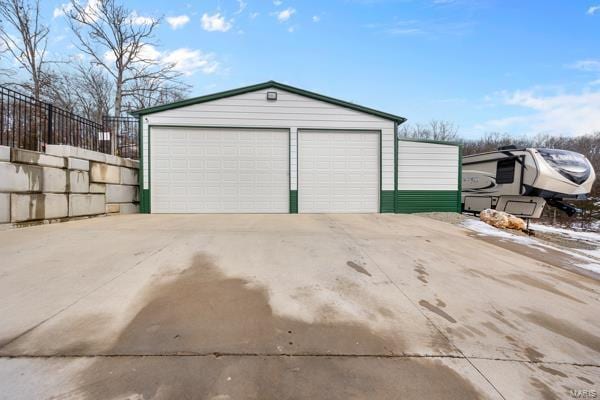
[(513, 66)]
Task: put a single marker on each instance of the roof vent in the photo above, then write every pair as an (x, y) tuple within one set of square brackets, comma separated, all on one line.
[(272, 96)]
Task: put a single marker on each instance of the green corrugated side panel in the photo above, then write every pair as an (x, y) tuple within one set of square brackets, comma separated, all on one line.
[(293, 202), (386, 201), (414, 201)]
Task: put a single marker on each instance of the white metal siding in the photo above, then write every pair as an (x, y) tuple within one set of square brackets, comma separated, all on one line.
[(290, 111), (219, 170), (338, 171), (427, 166), (293, 159)]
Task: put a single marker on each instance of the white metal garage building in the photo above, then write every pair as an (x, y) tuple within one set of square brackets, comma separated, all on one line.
[(267, 148)]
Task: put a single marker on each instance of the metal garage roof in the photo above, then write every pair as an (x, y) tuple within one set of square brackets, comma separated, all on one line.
[(268, 85)]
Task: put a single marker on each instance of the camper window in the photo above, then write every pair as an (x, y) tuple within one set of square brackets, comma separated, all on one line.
[(505, 171)]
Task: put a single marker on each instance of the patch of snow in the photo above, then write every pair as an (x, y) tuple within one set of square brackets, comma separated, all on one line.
[(591, 237), (487, 230), (590, 258), (592, 267)]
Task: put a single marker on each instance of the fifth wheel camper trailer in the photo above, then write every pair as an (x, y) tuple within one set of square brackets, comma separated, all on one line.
[(522, 181)]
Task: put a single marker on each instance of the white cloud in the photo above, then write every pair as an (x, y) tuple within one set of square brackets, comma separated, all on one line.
[(405, 31), (285, 15), (254, 15), (593, 10), (91, 9), (137, 19), (178, 21), (62, 10), (277, 2), (316, 18), (188, 61), (149, 52), (241, 6), (554, 113), (587, 65), (184, 60), (215, 22)]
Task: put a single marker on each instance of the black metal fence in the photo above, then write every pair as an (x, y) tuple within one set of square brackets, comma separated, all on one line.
[(31, 124), (124, 132)]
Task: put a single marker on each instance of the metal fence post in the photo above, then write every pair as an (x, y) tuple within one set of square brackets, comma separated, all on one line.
[(50, 133), (114, 136)]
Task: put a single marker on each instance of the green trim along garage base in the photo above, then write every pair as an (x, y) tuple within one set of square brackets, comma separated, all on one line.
[(417, 201), (387, 201), (341, 175), (293, 202)]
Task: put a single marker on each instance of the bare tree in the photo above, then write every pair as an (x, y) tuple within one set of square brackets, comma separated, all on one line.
[(151, 92), (84, 90), (28, 44), (121, 44), (435, 130)]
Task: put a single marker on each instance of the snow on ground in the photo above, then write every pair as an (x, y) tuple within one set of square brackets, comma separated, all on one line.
[(592, 237), (587, 259)]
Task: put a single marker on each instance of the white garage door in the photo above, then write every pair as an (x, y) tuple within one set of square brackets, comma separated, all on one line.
[(338, 171), (217, 170)]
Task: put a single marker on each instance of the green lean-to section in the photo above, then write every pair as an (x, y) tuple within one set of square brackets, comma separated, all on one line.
[(386, 201), (415, 201), (293, 202)]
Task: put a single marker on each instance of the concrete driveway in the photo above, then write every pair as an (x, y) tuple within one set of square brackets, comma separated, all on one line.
[(287, 307)]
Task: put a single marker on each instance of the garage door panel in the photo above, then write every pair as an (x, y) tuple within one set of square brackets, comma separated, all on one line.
[(338, 171), (197, 170)]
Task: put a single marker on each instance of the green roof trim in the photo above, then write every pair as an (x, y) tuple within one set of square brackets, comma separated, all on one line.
[(449, 143), (268, 85)]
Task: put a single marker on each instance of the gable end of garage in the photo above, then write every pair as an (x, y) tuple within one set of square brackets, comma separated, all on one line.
[(269, 85)]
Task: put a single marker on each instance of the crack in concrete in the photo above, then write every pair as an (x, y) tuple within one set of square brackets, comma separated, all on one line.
[(294, 355)]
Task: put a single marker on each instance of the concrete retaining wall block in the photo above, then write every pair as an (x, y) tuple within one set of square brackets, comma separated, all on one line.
[(54, 180), (27, 207), (113, 208), (79, 182), (129, 176), (4, 207), (113, 160), (129, 208), (76, 163), (4, 153), (33, 157), (20, 178), (103, 173), (97, 188), (121, 194), (129, 163), (122, 208), (86, 204), (75, 152)]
